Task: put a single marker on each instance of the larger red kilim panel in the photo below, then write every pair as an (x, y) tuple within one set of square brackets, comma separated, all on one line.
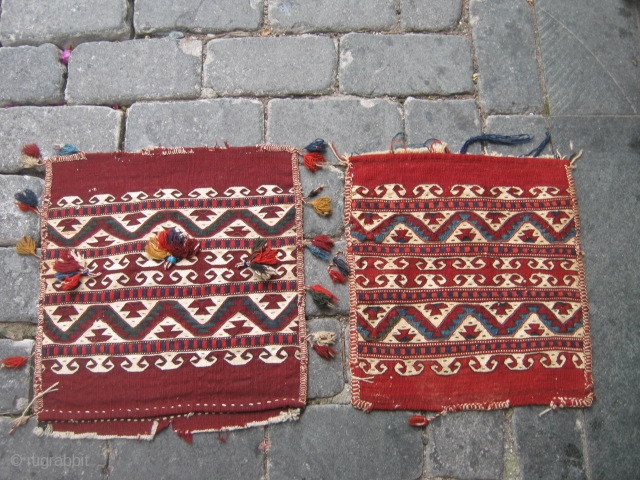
[(468, 288), (203, 345)]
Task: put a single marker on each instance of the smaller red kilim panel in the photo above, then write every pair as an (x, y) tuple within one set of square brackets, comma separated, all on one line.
[(468, 287), (201, 341)]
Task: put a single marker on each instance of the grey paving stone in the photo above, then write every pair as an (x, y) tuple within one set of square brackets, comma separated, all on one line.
[(199, 16), (194, 123), (19, 286), (354, 125), (92, 129), (430, 15), (533, 125), (151, 69), (63, 22), (504, 43), (549, 447), (333, 180), (271, 65), (331, 15), (315, 272), (31, 75), (591, 59), (325, 376), (168, 457), (15, 223), (25, 455), (403, 65), (452, 121), (466, 445), (607, 179), (337, 442), (14, 394)]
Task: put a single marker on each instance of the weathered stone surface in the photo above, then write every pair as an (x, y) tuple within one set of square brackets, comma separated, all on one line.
[(336, 442), (354, 125), (607, 179), (14, 394), (333, 180), (271, 66), (331, 15), (168, 457), (550, 446), (91, 129), (194, 123), (533, 125), (25, 455), (15, 223), (504, 42), (163, 69), (31, 75), (63, 22), (315, 272), (325, 376), (199, 16), (452, 121), (19, 286), (466, 445), (591, 59), (430, 15), (403, 65)]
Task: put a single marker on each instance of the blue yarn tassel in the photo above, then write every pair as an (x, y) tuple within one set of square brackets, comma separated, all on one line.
[(28, 197), (538, 150), (67, 149), (319, 253), (341, 265), (499, 139), (318, 145)]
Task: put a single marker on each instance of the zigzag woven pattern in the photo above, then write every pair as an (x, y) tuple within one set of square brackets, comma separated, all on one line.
[(140, 343), (468, 288)]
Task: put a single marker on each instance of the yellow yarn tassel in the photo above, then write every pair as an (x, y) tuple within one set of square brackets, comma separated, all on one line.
[(153, 251), (322, 206), (26, 246)]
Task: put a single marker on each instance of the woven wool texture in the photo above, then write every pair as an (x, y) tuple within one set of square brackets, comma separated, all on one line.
[(204, 345), (468, 288)]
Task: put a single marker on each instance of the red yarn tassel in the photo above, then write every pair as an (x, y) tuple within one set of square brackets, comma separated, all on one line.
[(14, 363), (314, 161), (336, 275), (323, 242), (325, 351), (71, 283), (66, 263), (418, 421), (32, 150)]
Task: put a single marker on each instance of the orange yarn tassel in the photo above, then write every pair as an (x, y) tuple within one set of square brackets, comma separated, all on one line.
[(15, 362), (314, 161)]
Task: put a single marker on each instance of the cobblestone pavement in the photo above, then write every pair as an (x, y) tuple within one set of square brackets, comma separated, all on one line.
[(200, 72)]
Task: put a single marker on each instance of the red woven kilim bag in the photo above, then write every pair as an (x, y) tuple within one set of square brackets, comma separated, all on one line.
[(468, 288), (171, 292)]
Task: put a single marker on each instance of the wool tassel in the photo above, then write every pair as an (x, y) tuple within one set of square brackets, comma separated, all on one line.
[(26, 246), (15, 362), (318, 252), (171, 245), (322, 297), (70, 267), (66, 149), (323, 242), (315, 192), (322, 206), (336, 275), (31, 156), (314, 158), (261, 260), (321, 342), (341, 264), (27, 201)]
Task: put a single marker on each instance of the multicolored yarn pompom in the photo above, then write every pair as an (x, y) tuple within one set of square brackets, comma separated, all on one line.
[(320, 246), (31, 156), (322, 343), (261, 260), (70, 267), (322, 297), (27, 201), (171, 245), (314, 158)]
